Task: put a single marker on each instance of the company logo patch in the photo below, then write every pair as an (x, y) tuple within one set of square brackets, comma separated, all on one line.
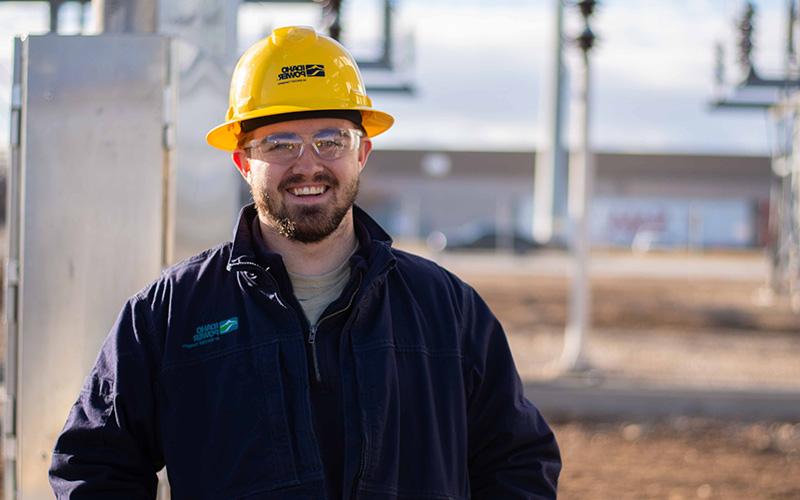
[(211, 332), (299, 73)]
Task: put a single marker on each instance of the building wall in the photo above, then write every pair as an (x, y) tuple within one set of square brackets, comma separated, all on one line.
[(670, 201)]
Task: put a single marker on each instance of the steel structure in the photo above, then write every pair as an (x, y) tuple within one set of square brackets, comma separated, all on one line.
[(786, 165), (785, 201), (125, 16), (385, 62), (780, 98)]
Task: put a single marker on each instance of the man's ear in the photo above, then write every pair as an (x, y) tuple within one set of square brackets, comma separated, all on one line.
[(363, 153), (242, 164)]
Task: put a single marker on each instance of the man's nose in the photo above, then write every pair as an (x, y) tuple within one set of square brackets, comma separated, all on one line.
[(308, 162)]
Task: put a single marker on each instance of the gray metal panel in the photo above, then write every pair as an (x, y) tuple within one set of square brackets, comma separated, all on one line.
[(207, 185), (94, 178), (12, 282)]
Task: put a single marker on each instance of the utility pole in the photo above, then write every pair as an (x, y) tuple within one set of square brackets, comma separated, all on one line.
[(581, 181), (550, 180)]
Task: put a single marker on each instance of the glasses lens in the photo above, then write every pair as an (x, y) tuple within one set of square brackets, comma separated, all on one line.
[(277, 148), (328, 144), (331, 144)]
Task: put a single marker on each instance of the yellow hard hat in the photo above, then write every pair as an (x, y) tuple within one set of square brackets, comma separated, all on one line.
[(295, 70)]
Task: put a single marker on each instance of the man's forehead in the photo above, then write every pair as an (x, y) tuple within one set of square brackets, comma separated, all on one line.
[(300, 127)]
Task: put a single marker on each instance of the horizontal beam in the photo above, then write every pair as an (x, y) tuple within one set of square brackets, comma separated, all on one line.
[(403, 88), (728, 104)]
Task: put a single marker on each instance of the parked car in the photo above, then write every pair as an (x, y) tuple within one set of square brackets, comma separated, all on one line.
[(478, 236)]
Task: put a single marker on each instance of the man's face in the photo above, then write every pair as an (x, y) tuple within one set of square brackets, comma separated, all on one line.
[(304, 199)]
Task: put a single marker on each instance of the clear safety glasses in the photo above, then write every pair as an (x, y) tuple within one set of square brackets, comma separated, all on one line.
[(285, 148)]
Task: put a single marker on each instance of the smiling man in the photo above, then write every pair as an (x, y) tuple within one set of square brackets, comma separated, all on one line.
[(306, 358)]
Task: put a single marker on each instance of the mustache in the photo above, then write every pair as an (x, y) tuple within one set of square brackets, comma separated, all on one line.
[(319, 178)]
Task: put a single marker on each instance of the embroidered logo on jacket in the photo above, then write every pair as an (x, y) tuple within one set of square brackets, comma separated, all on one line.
[(211, 332)]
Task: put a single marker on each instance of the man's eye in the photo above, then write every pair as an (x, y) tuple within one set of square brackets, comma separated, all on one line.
[(329, 143), (281, 146)]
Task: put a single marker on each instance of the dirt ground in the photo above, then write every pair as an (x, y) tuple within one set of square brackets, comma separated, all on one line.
[(661, 331), (698, 332), (679, 459)]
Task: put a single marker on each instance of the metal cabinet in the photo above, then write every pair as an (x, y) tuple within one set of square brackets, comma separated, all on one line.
[(90, 221)]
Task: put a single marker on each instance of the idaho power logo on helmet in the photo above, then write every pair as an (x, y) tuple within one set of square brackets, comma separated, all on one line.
[(300, 72)]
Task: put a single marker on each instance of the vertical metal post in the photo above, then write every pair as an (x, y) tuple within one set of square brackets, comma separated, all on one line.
[(332, 17), (55, 6), (550, 173), (581, 188), (11, 299), (168, 143), (793, 178), (126, 16), (773, 232), (83, 18), (790, 68), (387, 33)]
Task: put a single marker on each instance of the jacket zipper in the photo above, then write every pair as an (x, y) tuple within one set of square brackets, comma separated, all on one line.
[(312, 333), (312, 339)]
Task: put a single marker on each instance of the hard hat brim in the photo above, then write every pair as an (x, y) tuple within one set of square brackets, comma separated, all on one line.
[(226, 135)]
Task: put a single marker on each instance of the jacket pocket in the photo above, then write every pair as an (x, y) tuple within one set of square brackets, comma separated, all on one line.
[(224, 425)]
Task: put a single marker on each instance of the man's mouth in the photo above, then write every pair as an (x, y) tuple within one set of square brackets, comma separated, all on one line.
[(301, 191)]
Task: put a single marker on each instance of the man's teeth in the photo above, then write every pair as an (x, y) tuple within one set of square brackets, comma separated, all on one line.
[(308, 190)]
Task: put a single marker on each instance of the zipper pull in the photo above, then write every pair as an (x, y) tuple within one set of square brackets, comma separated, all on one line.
[(312, 339), (312, 335)]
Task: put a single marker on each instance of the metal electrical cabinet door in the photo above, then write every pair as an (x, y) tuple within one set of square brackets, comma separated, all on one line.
[(90, 221)]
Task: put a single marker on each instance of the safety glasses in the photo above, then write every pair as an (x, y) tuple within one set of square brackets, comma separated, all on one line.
[(285, 148)]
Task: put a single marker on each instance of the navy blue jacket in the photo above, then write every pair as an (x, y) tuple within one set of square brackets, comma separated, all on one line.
[(206, 371)]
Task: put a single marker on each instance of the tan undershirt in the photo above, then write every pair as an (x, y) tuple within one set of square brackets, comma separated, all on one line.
[(316, 292)]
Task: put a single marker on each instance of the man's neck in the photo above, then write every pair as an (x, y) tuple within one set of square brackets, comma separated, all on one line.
[(312, 259)]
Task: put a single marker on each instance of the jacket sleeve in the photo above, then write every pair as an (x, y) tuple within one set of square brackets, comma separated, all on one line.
[(110, 447), (513, 453)]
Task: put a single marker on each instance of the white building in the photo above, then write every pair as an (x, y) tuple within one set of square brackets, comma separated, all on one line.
[(666, 200)]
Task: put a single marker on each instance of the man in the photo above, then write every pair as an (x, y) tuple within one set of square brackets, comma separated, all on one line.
[(306, 358)]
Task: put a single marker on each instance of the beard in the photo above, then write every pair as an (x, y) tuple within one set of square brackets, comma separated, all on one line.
[(305, 223)]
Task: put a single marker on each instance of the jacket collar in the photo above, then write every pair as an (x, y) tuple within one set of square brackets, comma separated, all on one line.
[(375, 243)]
